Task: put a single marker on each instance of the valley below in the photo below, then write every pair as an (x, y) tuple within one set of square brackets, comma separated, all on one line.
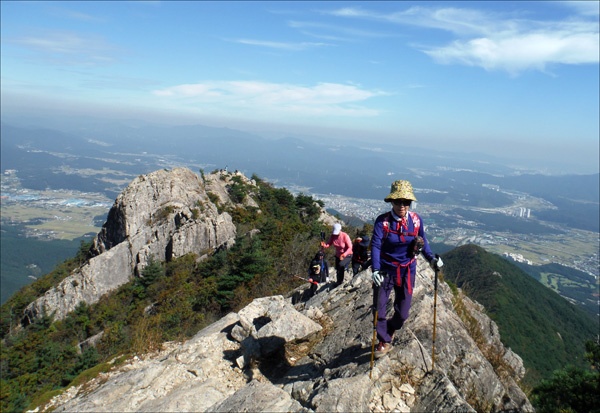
[(52, 215), (58, 186)]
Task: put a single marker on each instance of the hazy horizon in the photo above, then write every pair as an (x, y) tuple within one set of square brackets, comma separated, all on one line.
[(517, 80), (514, 157)]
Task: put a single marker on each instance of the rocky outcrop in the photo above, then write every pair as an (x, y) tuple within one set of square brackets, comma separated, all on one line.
[(165, 214), (300, 354)]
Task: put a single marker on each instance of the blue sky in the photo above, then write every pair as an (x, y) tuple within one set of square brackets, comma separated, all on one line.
[(512, 78)]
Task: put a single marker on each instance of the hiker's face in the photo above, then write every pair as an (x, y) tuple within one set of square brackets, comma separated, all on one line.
[(401, 206)]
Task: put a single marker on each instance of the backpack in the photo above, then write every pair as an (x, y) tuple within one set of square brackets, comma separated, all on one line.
[(387, 224), (417, 242)]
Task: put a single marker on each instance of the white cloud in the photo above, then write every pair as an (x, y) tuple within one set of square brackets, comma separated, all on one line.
[(522, 52), (505, 41), (320, 99), (347, 31), (280, 45), (188, 90), (67, 48), (350, 12), (585, 8), (450, 19)]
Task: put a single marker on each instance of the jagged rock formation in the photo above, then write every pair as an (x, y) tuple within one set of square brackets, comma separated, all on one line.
[(165, 214), (302, 355)]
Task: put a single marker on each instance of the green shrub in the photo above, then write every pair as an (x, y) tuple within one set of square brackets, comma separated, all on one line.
[(572, 389)]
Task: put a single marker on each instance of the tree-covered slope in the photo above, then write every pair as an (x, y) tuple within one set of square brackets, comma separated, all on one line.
[(547, 331), (171, 301)]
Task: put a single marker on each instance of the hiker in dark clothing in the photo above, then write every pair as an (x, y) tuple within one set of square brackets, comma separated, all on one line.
[(360, 254), (398, 238), (318, 272), (343, 251)]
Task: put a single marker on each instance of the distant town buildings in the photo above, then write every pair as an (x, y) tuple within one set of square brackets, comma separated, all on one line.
[(517, 258), (492, 187)]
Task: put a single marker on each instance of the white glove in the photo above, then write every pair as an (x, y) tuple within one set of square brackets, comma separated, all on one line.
[(377, 278), (437, 263)]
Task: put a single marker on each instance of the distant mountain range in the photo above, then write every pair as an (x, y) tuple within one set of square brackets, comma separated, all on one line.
[(41, 155), (97, 156)]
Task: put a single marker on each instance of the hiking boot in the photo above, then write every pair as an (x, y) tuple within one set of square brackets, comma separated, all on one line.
[(391, 335), (382, 349)]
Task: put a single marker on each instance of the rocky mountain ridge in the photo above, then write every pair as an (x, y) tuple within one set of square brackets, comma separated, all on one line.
[(279, 353), (305, 354)]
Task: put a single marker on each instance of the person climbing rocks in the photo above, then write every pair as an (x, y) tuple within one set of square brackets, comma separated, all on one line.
[(343, 251), (398, 238), (318, 272), (360, 254)]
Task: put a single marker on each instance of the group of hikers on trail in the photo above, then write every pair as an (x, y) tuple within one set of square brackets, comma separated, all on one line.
[(398, 238)]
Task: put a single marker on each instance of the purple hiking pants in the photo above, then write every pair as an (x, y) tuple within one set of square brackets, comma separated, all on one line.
[(402, 301)]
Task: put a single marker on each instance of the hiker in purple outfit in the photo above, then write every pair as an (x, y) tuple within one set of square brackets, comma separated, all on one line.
[(398, 238)]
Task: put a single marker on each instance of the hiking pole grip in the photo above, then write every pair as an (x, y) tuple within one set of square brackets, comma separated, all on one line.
[(375, 316), (435, 287)]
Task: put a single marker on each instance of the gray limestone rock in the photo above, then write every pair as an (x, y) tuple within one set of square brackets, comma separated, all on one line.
[(259, 397), (320, 361), (165, 214)]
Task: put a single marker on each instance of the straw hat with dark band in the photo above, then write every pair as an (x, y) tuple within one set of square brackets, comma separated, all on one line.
[(401, 190)]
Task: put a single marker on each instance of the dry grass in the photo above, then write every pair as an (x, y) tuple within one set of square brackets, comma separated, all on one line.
[(494, 354), (477, 403), (406, 374), (146, 335)]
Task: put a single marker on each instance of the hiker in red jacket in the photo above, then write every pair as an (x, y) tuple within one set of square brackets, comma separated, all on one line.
[(343, 251), (398, 238)]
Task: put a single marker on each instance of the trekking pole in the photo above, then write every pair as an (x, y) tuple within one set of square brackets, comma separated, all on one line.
[(305, 279), (435, 286), (322, 249), (376, 292)]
